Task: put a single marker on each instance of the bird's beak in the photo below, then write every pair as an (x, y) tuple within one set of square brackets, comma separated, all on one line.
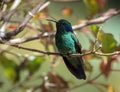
[(52, 19)]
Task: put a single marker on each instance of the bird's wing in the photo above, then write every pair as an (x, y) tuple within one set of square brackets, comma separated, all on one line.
[(75, 64), (76, 42)]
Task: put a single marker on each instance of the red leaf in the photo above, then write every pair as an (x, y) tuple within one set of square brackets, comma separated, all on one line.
[(48, 27), (105, 67), (12, 26), (101, 3)]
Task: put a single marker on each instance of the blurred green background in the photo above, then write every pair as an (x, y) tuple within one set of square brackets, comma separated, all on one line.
[(26, 71)]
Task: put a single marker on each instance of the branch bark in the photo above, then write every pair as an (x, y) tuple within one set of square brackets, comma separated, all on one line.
[(107, 15), (23, 23), (95, 52), (7, 17), (98, 20)]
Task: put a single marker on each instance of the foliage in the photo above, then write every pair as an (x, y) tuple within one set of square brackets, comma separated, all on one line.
[(29, 61)]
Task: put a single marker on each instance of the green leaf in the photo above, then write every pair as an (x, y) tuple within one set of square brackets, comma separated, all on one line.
[(94, 6), (108, 42), (10, 67), (34, 63), (95, 29), (11, 73), (91, 6)]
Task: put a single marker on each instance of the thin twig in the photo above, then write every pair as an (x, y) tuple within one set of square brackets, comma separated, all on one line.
[(87, 82), (9, 15), (35, 50), (115, 70), (98, 20), (46, 34), (31, 38), (60, 54), (23, 23), (9, 52)]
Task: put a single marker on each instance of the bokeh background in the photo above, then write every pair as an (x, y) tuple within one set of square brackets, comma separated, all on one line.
[(29, 71)]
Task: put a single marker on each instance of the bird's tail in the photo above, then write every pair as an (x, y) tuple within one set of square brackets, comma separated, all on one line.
[(75, 66)]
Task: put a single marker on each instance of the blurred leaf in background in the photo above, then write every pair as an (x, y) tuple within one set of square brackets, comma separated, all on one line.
[(94, 6), (34, 63), (29, 71), (10, 68)]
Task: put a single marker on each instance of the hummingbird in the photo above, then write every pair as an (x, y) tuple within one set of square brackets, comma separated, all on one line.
[(67, 43)]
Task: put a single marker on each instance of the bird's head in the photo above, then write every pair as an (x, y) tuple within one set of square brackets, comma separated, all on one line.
[(62, 25)]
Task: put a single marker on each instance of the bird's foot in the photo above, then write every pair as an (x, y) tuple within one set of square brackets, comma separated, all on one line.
[(69, 54)]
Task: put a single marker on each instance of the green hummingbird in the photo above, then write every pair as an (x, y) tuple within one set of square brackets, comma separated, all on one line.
[(66, 43)]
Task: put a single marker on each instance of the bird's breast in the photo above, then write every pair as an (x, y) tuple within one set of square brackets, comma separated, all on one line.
[(65, 43)]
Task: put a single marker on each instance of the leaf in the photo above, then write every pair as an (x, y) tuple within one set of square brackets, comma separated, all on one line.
[(101, 3), (95, 29), (42, 14), (94, 6), (106, 65), (66, 11), (105, 68), (91, 6), (12, 26), (88, 66), (48, 27), (110, 88), (10, 72), (34, 63), (108, 42), (10, 68)]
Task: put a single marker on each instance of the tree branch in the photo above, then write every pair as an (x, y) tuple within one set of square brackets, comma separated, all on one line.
[(23, 23), (31, 38), (98, 20), (87, 82), (8, 16), (60, 54), (110, 13), (13, 42)]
